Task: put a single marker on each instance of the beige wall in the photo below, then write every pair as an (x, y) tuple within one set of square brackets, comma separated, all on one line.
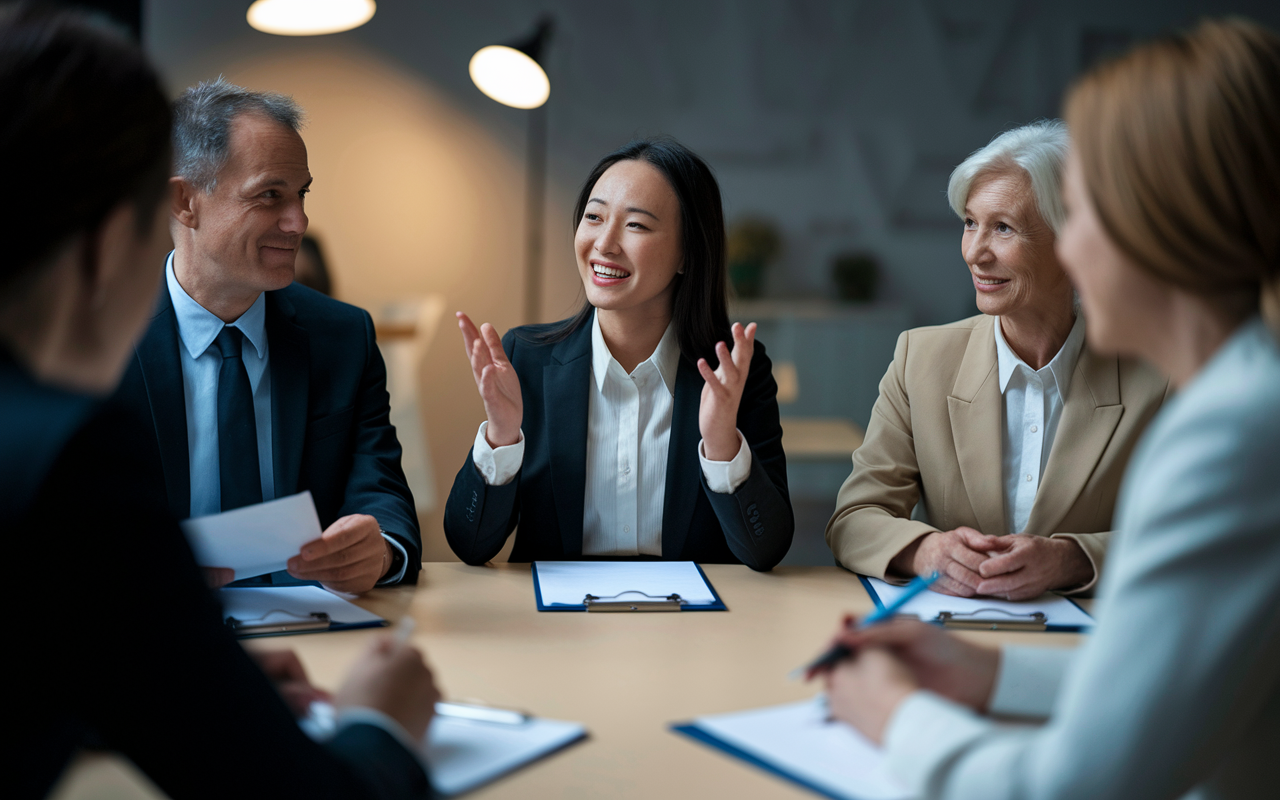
[(411, 197)]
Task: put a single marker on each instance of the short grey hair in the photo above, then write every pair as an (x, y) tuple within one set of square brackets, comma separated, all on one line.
[(1038, 149), (202, 118)]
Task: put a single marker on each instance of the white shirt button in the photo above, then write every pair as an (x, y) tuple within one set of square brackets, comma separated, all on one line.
[(1028, 477), (1035, 428), (626, 529)]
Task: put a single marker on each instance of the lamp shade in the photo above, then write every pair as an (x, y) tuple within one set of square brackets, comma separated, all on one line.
[(309, 17), (510, 76)]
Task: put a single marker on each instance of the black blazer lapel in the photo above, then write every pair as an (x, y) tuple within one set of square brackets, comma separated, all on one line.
[(290, 355), (161, 368), (566, 383), (683, 468)]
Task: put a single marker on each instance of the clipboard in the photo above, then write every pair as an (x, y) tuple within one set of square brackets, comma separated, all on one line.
[(251, 612), (998, 615), (628, 601)]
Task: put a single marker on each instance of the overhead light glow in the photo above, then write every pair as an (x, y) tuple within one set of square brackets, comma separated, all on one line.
[(309, 17), (509, 76)]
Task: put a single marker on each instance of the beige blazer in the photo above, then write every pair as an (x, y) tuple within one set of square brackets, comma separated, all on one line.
[(935, 435)]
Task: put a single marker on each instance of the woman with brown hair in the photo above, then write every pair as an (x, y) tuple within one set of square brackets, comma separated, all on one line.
[(1173, 242)]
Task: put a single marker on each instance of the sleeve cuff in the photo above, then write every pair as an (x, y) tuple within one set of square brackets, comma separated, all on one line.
[(325, 722), (724, 477), (925, 734), (1092, 583), (404, 561), (497, 465), (1028, 679)]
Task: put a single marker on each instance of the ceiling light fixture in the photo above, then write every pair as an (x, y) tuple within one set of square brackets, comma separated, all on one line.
[(309, 17)]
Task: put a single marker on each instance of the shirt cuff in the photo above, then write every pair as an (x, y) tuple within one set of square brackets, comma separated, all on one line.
[(404, 561), (1028, 679), (497, 465), (924, 735), (724, 477)]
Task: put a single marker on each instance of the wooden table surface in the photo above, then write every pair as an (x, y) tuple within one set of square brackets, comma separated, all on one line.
[(625, 676)]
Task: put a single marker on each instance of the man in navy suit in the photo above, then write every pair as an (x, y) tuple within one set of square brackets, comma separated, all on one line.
[(257, 387)]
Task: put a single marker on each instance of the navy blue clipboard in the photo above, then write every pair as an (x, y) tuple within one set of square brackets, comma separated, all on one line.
[(718, 605), (691, 730), (875, 598)]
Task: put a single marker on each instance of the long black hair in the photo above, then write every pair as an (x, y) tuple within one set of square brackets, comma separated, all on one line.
[(700, 305)]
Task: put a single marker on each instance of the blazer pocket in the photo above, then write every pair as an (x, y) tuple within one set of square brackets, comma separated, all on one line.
[(329, 425)]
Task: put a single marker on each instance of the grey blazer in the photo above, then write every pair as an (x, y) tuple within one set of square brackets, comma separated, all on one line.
[(1177, 692)]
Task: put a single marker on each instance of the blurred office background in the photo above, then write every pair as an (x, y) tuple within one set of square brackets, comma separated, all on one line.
[(832, 126)]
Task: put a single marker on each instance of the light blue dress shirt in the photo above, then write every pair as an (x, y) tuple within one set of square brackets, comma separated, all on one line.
[(197, 329)]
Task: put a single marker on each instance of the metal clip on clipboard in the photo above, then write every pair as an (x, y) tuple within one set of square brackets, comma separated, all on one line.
[(653, 602), (315, 621), (964, 620)]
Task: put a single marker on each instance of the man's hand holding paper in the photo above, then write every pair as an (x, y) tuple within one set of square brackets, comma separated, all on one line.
[(254, 540), (351, 556)]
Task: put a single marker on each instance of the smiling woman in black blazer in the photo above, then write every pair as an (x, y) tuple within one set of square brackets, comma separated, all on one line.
[(630, 429)]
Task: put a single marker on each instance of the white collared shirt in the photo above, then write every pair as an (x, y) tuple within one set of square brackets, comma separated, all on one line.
[(628, 434), (1033, 401)]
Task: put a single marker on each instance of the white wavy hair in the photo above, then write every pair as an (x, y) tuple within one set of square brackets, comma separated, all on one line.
[(1038, 149)]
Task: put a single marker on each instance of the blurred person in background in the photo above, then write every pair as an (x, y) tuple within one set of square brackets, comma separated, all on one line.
[(129, 651), (631, 429), (310, 268), (1009, 428), (1173, 242)]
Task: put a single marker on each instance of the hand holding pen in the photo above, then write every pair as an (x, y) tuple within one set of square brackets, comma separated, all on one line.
[(840, 651)]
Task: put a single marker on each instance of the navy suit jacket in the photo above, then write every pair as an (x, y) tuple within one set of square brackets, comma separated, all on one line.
[(130, 653), (330, 426), (545, 499)]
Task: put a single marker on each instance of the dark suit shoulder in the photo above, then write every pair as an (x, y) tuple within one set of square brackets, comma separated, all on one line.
[(311, 307)]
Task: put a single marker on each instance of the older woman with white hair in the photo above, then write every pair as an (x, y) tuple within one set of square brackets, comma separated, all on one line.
[(1008, 429)]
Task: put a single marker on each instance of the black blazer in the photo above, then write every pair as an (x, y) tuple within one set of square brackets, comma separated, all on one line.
[(129, 652), (330, 425), (545, 499)]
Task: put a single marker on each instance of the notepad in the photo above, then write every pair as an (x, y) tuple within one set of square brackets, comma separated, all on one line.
[(565, 585), (1060, 614), (257, 539), (796, 742), (274, 610), (464, 754)]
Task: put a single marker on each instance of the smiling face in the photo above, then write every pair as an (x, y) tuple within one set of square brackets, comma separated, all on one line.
[(628, 240), (248, 229), (1009, 248)]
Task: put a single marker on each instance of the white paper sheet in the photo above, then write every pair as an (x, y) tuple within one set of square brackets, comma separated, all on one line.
[(289, 603), (567, 582), (798, 740), (1058, 610), (464, 754), (257, 539)]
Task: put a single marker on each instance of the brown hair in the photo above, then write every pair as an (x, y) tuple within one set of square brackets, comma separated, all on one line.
[(1179, 141)]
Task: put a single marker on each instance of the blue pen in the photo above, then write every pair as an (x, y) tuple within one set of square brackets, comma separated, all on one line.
[(839, 652)]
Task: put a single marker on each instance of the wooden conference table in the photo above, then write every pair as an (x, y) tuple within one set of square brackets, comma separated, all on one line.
[(625, 676)]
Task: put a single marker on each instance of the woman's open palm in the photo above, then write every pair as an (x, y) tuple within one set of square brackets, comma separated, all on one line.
[(497, 381)]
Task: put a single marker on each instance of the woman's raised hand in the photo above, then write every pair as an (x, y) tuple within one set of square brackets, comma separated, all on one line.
[(718, 413), (497, 381)]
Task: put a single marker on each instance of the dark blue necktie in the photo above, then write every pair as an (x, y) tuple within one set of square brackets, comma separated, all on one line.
[(238, 475)]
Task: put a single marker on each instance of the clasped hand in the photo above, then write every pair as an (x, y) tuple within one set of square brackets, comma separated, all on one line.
[(1020, 567)]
